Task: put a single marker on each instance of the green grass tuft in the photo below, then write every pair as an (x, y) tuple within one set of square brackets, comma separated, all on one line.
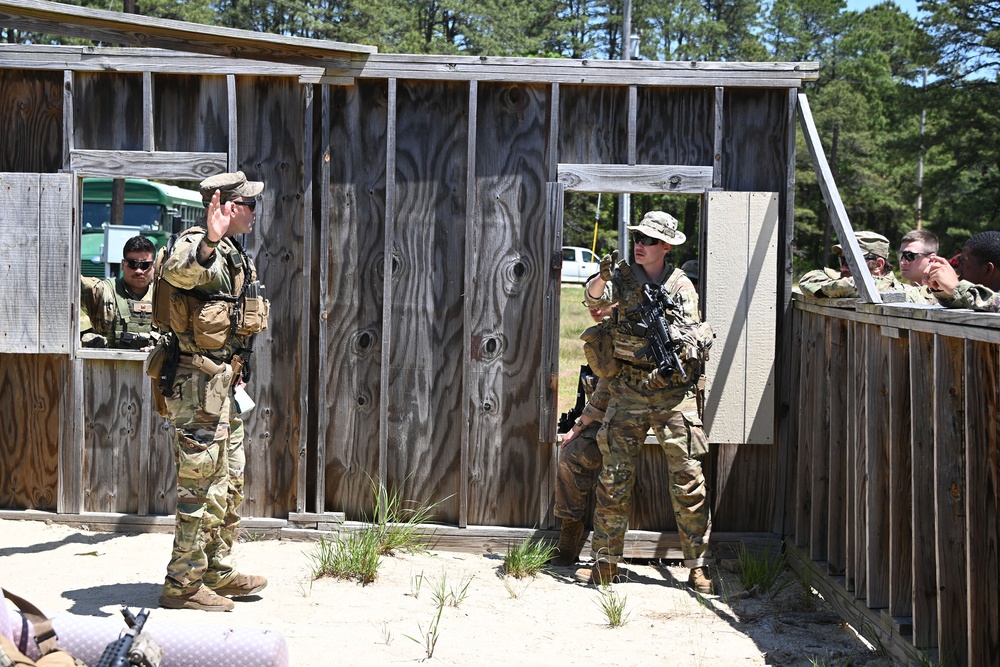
[(759, 574), (527, 558)]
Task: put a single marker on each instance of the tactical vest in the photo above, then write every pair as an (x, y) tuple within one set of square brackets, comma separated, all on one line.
[(210, 320), (122, 312)]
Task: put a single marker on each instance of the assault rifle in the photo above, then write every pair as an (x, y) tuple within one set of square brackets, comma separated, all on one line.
[(660, 348), (133, 647), (566, 419)]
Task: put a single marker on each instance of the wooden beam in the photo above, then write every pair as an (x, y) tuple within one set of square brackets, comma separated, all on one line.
[(470, 278), (163, 165), (387, 282), (641, 179)]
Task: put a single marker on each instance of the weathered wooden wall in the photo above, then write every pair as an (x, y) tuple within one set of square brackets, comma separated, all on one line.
[(897, 474)]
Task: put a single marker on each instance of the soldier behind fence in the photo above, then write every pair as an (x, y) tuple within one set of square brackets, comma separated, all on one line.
[(976, 285), (641, 399), (208, 299), (118, 312)]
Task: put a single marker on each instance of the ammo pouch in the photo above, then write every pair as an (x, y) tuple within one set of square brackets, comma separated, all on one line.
[(211, 322), (253, 316), (599, 348)]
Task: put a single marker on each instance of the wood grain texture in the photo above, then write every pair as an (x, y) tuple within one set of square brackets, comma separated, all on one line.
[(156, 165), (838, 446), (351, 298), (900, 560), (675, 126), (742, 472), (58, 282), (20, 240), (808, 384), (641, 179), (505, 459), (270, 150), (820, 417), (982, 401), (190, 113), (107, 108), (877, 467), (427, 271), (31, 114), (951, 501), (31, 389), (924, 509), (592, 125)]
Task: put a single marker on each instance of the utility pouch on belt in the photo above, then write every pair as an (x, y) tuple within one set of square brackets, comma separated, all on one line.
[(161, 366), (255, 311), (219, 381), (599, 348)]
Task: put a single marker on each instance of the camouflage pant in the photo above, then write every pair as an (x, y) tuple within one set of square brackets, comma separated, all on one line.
[(673, 415), (208, 453), (579, 466)]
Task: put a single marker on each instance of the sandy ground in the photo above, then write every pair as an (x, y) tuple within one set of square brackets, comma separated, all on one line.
[(547, 620)]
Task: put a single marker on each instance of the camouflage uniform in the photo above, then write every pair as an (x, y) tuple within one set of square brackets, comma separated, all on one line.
[(580, 460), (970, 295), (633, 409), (108, 309), (208, 445)]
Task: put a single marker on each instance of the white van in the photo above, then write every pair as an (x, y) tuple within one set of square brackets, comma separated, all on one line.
[(578, 264)]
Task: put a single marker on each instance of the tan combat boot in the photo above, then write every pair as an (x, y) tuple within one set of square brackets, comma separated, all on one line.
[(203, 598), (570, 543), (602, 574), (241, 585), (700, 581)]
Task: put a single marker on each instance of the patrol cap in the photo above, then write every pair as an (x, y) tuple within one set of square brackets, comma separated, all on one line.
[(690, 267), (230, 186), (661, 226), (871, 244)]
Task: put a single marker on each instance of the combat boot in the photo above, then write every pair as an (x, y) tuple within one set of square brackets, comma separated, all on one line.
[(203, 598), (602, 574), (570, 543), (241, 585), (700, 581)]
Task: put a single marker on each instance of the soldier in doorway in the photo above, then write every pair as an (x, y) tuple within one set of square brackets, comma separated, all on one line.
[(118, 312)]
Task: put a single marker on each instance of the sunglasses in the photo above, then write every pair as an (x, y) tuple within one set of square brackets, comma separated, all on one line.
[(868, 258), (249, 203), (141, 264), (647, 241), (909, 255)]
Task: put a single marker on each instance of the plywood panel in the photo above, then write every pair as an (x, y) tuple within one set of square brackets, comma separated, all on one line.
[(31, 387), (19, 262), (593, 124), (924, 509), (741, 473), (506, 462), (107, 109), (428, 264), (749, 121), (58, 281), (675, 126), (190, 113), (31, 116), (270, 113), (351, 298)]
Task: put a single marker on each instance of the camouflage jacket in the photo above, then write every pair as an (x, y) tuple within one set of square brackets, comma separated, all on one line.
[(598, 396), (827, 284), (108, 310), (969, 295)]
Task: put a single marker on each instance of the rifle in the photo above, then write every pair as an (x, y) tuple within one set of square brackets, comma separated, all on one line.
[(566, 419), (133, 647), (661, 348)]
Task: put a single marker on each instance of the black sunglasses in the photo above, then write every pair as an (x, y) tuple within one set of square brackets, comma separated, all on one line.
[(647, 241), (909, 255), (249, 203), (141, 264)]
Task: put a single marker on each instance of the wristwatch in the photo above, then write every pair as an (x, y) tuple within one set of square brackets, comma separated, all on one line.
[(579, 422)]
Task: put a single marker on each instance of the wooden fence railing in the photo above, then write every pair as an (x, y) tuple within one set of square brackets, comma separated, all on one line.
[(895, 461)]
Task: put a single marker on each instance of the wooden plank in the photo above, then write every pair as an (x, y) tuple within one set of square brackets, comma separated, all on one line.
[(877, 467), (70, 439), (838, 384), (20, 262), (389, 261), (148, 143), (822, 418), (641, 179), (323, 339), (717, 137), (834, 204), (307, 306), (155, 165), (548, 375), (924, 510), (506, 464), (144, 442), (232, 124), (593, 125), (900, 560), (161, 480), (950, 500), (68, 118), (113, 120), (552, 151), (739, 472), (31, 105), (58, 276), (192, 114), (351, 299), (807, 429), (674, 126), (470, 252), (632, 123), (427, 245), (982, 400)]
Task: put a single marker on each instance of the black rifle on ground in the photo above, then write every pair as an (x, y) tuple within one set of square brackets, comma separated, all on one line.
[(133, 647), (660, 347), (566, 419)]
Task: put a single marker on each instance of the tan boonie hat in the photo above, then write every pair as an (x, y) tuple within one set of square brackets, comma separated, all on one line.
[(871, 244), (230, 186), (661, 226)]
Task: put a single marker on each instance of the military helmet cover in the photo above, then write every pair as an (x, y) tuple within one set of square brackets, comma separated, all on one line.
[(871, 244), (659, 225), (230, 186)]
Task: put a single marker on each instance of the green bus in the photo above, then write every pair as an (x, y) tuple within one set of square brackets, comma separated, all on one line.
[(155, 210)]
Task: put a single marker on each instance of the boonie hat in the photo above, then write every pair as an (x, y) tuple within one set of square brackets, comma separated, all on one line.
[(230, 186), (661, 226), (871, 244), (690, 268)]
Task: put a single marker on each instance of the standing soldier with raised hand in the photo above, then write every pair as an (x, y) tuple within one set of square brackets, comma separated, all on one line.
[(641, 398), (208, 297)]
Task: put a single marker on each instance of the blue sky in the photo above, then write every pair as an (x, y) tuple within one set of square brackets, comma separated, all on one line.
[(908, 6)]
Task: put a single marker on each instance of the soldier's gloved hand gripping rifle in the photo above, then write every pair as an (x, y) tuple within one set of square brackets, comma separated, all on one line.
[(661, 347)]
